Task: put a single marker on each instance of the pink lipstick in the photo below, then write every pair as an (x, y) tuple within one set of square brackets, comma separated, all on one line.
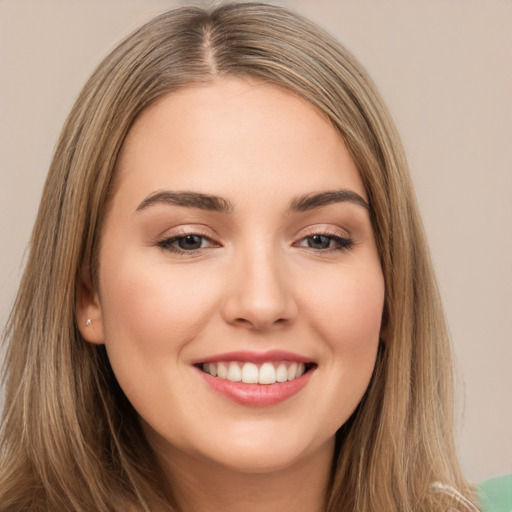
[(256, 378)]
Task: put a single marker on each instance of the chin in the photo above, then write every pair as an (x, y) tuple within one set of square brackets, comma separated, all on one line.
[(260, 463), (268, 454)]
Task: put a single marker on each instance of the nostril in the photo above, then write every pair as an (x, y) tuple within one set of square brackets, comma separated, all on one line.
[(260, 323), (242, 321), (254, 306)]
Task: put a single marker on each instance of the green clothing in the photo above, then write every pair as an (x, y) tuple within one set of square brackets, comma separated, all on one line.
[(495, 494)]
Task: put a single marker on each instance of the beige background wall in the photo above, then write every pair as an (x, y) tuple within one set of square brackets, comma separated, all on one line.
[(445, 69)]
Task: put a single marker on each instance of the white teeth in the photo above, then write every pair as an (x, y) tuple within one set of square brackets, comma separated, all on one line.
[(281, 373), (292, 371), (234, 372), (267, 374), (222, 370), (210, 368), (250, 373)]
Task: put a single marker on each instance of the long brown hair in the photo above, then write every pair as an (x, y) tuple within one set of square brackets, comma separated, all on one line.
[(70, 440)]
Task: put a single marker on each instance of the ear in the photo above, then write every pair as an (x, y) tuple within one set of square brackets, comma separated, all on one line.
[(88, 311)]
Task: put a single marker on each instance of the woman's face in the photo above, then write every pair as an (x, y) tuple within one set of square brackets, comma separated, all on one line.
[(238, 246)]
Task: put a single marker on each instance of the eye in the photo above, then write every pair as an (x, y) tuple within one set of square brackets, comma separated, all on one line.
[(326, 242), (190, 242)]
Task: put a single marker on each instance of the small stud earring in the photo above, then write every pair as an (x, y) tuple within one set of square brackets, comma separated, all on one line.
[(88, 322)]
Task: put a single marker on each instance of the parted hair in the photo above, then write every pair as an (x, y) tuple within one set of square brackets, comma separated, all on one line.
[(69, 438)]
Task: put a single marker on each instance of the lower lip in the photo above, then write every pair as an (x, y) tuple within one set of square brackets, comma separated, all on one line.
[(257, 395)]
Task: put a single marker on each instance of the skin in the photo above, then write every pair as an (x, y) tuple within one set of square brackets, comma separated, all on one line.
[(256, 285)]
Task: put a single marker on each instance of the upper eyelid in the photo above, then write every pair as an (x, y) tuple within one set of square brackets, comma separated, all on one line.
[(323, 229), (179, 231), (341, 239), (210, 234)]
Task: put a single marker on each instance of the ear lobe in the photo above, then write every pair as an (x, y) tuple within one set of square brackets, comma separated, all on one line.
[(88, 312)]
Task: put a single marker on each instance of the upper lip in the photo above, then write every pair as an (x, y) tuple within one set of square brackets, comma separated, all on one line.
[(247, 356)]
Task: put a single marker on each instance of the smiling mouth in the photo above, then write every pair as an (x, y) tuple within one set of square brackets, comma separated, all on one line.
[(251, 373)]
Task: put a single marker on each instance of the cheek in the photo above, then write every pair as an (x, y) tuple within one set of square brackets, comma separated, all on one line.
[(150, 312), (348, 310), (348, 319)]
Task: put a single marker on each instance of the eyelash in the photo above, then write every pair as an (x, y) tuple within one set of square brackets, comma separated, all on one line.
[(168, 244), (342, 243)]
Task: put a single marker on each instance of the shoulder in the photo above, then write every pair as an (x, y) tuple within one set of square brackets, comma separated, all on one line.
[(495, 494)]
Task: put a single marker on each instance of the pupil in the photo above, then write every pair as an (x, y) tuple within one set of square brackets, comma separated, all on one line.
[(319, 242), (190, 242)]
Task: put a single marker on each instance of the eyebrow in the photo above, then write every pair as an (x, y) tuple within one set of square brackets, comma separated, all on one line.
[(188, 200), (312, 201), (214, 203)]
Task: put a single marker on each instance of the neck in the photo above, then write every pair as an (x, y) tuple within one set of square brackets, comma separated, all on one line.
[(205, 486)]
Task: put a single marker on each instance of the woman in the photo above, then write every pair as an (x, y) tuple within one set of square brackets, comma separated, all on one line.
[(229, 303)]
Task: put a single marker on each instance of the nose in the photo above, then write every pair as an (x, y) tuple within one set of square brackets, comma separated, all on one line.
[(259, 296)]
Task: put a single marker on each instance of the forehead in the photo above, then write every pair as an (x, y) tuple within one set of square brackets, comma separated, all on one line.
[(232, 131)]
